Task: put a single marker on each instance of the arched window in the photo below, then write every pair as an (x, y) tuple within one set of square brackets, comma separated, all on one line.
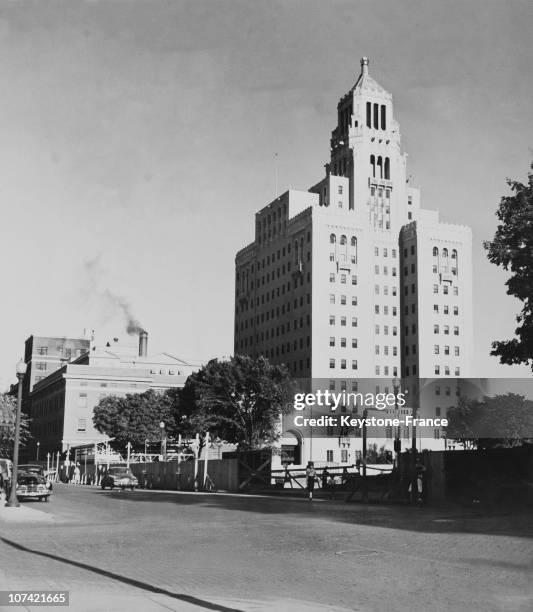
[(354, 241), (353, 254), (445, 252), (373, 165), (387, 167), (380, 167), (332, 239), (454, 254), (383, 117), (368, 114), (343, 239), (376, 116), (435, 252)]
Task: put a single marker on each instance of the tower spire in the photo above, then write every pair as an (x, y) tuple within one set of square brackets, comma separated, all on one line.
[(364, 66)]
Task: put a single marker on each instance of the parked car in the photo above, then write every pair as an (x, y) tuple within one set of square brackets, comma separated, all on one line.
[(32, 486), (30, 468), (119, 477)]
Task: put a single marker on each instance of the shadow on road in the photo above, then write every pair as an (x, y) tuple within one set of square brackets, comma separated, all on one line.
[(452, 519), (130, 581)]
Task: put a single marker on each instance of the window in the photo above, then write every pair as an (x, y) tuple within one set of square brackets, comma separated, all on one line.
[(343, 342), (332, 340), (344, 456), (456, 351), (354, 321), (437, 390), (446, 310), (82, 400), (41, 365), (456, 310), (376, 269), (437, 370), (457, 371), (340, 189), (377, 349), (376, 309), (343, 364), (436, 349), (332, 298), (435, 288), (332, 363), (332, 239), (354, 300), (446, 349), (329, 455), (343, 321), (435, 329), (456, 290), (332, 385), (377, 370), (456, 331), (376, 289), (42, 350), (332, 319), (445, 289), (343, 300), (446, 370), (435, 252), (434, 269), (446, 330), (376, 330), (354, 365), (436, 308), (82, 424), (354, 342), (332, 278), (343, 279)]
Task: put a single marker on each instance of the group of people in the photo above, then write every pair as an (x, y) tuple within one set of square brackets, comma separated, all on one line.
[(327, 479)]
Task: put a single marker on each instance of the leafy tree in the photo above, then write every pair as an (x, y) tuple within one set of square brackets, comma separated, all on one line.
[(512, 249), (502, 420), (8, 411), (135, 418), (239, 400)]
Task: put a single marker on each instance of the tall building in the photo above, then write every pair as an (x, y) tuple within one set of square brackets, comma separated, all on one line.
[(352, 278)]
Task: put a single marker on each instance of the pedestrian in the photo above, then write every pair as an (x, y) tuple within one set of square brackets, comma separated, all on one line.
[(331, 486), (311, 476), (77, 474), (324, 478), (345, 477)]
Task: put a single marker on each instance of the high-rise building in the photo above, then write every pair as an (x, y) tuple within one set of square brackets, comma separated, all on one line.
[(352, 278)]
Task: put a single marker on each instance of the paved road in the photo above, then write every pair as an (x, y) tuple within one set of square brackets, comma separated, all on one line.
[(183, 551)]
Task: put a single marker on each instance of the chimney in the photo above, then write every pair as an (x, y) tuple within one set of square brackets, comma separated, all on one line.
[(143, 343)]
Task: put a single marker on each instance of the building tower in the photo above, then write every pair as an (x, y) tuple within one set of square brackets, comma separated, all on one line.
[(351, 279)]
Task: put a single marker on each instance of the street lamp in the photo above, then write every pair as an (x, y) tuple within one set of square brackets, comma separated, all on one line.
[(37, 452), (396, 382), (162, 427), (13, 501)]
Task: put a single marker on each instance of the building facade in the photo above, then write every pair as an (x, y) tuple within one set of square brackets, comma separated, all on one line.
[(352, 280), (62, 404)]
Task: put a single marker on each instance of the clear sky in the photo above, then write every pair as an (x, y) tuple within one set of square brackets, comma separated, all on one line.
[(137, 141)]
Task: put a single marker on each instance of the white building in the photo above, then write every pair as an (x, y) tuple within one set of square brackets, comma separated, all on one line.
[(353, 280)]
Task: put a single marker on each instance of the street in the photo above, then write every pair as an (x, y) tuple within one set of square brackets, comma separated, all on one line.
[(153, 550)]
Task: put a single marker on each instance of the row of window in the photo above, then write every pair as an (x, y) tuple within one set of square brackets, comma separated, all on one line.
[(386, 371), (385, 350), (380, 167), (447, 370), (385, 252), (445, 329), (343, 342), (445, 309), (375, 113), (343, 299), (333, 319), (386, 290), (342, 278), (377, 310), (343, 363)]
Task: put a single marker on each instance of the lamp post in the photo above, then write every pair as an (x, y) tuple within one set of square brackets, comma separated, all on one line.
[(397, 442), (365, 482), (37, 451), (13, 501), (162, 427)]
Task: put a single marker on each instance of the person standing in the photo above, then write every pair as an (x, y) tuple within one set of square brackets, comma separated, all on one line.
[(311, 476)]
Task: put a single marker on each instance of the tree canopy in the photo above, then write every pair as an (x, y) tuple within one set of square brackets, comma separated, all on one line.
[(512, 249), (8, 411), (239, 400), (135, 417), (502, 420)]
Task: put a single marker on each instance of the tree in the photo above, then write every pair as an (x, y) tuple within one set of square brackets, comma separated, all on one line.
[(8, 411), (512, 249), (135, 418), (502, 420), (239, 400)]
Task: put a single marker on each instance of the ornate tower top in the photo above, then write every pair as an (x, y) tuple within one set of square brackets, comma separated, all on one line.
[(364, 65)]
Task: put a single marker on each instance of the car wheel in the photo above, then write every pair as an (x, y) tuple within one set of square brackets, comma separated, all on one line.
[(103, 487)]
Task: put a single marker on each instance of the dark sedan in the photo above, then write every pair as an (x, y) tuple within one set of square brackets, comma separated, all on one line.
[(119, 477)]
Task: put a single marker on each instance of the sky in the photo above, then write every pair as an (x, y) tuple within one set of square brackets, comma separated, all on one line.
[(138, 140)]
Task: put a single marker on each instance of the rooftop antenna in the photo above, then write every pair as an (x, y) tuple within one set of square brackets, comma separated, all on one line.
[(276, 173)]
